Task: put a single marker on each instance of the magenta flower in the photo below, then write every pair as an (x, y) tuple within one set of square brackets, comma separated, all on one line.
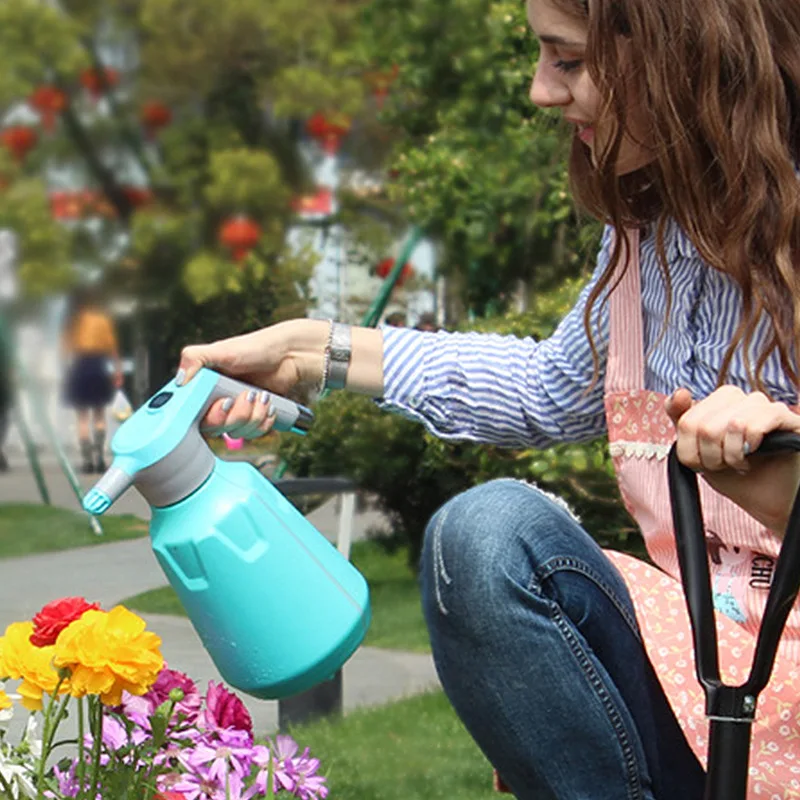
[(169, 679), (225, 710), (141, 708)]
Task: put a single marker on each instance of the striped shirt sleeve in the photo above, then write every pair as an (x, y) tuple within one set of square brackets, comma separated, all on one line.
[(498, 389)]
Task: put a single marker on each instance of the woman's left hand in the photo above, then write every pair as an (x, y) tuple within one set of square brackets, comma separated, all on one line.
[(714, 436)]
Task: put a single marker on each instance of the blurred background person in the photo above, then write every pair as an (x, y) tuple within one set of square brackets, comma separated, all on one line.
[(427, 322), (397, 319), (90, 342)]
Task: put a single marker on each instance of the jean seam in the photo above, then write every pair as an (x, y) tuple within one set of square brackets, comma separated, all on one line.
[(635, 791), (561, 563), (439, 569)]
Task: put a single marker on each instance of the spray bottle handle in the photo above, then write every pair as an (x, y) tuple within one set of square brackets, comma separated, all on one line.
[(289, 416)]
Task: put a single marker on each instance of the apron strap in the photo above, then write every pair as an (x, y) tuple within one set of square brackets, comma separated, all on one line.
[(625, 368)]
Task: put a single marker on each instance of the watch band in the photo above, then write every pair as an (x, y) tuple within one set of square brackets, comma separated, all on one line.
[(339, 351)]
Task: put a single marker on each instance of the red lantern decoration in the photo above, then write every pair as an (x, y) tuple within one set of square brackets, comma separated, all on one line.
[(328, 132), (49, 102), (95, 81), (19, 139), (383, 268), (240, 235), (320, 203), (155, 116)]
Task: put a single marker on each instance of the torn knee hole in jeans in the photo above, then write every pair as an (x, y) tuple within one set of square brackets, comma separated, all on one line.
[(439, 570)]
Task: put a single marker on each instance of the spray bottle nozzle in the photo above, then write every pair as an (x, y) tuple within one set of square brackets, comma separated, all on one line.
[(107, 490)]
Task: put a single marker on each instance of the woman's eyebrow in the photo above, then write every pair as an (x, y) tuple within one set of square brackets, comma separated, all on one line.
[(560, 40)]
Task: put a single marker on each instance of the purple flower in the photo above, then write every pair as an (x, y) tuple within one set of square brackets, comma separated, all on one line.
[(225, 710), (227, 752), (67, 780), (115, 737), (194, 786), (281, 779), (292, 773), (308, 785)]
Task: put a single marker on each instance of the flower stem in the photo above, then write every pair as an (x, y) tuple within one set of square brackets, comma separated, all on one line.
[(81, 773), (270, 774), (48, 731), (96, 721), (47, 744)]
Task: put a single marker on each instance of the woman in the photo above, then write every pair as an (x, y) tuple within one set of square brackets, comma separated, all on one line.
[(572, 667), (90, 343)]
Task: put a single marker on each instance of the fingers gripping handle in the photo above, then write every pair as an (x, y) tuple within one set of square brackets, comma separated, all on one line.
[(289, 416), (693, 559)]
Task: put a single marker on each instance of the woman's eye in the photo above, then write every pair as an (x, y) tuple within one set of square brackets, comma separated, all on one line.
[(567, 66)]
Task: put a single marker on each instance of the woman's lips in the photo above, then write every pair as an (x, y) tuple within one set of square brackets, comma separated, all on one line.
[(586, 133)]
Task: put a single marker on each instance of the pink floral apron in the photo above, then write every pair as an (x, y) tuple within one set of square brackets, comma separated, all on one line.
[(742, 555)]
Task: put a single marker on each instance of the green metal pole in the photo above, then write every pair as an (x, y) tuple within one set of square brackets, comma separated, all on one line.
[(66, 467), (30, 450), (375, 310)]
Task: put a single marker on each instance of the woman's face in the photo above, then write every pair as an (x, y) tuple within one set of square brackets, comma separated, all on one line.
[(562, 81)]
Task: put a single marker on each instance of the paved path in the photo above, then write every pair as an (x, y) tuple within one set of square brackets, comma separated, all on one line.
[(112, 572)]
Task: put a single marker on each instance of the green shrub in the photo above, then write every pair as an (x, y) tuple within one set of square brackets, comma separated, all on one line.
[(412, 473)]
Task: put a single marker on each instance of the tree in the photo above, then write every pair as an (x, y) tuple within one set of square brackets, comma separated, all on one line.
[(174, 116), (476, 165)]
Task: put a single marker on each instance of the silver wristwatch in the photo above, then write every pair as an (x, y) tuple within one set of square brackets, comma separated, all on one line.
[(338, 353)]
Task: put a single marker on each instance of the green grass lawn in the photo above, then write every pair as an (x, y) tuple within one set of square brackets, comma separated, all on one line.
[(397, 621), (415, 749), (26, 528)]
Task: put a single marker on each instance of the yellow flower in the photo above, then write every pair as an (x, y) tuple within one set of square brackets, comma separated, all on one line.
[(108, 652), (5, 701), (34, 665)]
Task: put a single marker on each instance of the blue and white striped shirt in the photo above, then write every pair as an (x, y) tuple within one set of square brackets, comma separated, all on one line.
[(523, 393)]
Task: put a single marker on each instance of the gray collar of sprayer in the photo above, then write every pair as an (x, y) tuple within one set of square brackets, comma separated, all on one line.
[(182, 471)]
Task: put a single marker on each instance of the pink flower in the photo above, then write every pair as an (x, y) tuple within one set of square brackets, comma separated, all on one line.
[(140, 709), (225, 710)]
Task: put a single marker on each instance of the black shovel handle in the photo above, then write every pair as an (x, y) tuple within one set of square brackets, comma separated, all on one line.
[(730, 708)]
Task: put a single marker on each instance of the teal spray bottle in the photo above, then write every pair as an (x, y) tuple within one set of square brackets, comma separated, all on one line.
[(276, 605)]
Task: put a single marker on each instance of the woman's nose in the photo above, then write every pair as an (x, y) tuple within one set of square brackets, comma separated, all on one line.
[(548, 89)]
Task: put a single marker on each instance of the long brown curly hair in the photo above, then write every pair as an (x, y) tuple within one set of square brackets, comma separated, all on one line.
[(719, 82)]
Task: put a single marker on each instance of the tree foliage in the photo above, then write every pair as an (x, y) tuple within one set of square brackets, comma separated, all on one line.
[(477, 165), (234, 80)]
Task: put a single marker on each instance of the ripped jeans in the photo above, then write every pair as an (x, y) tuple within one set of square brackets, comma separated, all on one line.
[(537, 647)]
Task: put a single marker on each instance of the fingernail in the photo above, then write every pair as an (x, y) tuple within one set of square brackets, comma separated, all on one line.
[(746, 448), (180, 377), (227, 404), (264, 397), (251, 395)]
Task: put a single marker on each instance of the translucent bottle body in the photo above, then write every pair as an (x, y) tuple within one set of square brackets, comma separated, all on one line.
[(278, 608)]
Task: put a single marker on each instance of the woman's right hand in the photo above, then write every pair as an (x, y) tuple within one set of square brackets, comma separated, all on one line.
[(277, 358)]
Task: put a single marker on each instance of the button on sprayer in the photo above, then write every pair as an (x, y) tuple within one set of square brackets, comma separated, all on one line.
[(276, 605)]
